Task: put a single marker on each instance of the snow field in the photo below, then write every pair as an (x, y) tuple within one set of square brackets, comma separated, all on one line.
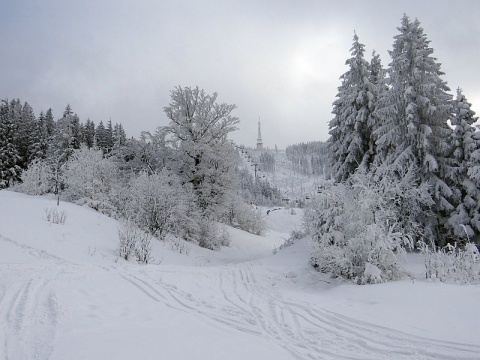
[(64, 294)]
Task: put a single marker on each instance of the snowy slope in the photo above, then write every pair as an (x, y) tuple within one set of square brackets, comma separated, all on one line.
[(64, 294)]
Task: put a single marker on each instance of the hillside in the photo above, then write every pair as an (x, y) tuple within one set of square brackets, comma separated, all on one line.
[(65, 294)]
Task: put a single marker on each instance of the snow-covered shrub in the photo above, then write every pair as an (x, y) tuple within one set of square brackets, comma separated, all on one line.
[(293, 237), (55, 217), (143, 249), (159, 204), (37, 179), (179, 245), (211, 235), (362, 222), (90, 177), (245, 217), (134, 242), (451, 263), (127, 236)]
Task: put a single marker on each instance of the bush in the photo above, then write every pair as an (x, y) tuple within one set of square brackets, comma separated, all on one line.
[(356, 224), (37, 179), (295, 235), (451, 263), (90, 177), (159, 204), (212, 236), (54, 216), (245, 217), (134, 242)]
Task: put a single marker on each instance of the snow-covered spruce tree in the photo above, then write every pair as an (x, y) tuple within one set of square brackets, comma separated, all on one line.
[(10, 160), (62, 142), (119, 136), (378, 79), (90, 176), (101, 137), (27, 137), (464, 170), (88, 134), (205, 158), (349, 129), (355, 228), (413, 114)]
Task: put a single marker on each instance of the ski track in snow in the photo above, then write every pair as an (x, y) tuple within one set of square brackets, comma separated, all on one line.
[(240, 299), (306, 331), (28, 314)]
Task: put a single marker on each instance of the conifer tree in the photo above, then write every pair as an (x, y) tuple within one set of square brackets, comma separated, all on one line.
[(27, 137), (377, 77), (49, 122), (464, 221), (10, 170), (88, 134), (64, 136), (109, 135), (349, 129), (45, 126), (119, 136), (413, 114), (101, 137)]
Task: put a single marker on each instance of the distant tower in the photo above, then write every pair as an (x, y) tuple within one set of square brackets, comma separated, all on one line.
[(259, 139)]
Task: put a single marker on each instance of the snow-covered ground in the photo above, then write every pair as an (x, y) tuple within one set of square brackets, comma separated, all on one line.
[(64, 294)]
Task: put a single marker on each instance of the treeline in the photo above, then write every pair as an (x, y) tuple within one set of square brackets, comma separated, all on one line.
[(311, 158), (267, 162), (258, 191), (25, 137), (179, 180)]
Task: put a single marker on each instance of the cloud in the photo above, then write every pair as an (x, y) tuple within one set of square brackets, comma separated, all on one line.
[(277, 60)]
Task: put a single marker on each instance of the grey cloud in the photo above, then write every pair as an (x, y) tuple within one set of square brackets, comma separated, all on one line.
[(278, 60)]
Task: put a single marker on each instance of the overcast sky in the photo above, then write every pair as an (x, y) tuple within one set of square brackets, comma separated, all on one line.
[(277, 60)]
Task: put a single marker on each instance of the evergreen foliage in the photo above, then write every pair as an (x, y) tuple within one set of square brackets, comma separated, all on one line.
[(10, 159), (413, 115), (350, 129), (464, 166), (311, 158)]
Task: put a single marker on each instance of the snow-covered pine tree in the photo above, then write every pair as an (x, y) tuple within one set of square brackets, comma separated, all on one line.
[(101, 138), (109, 135), (45, 126), (378, 79), (413, 132), (88, 135), (76, 132), (349, 129), (42, 136), (61, 146), (49, 122), (119, 136), (464, 164), (10, 170), (27, 137), (62, 140)]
